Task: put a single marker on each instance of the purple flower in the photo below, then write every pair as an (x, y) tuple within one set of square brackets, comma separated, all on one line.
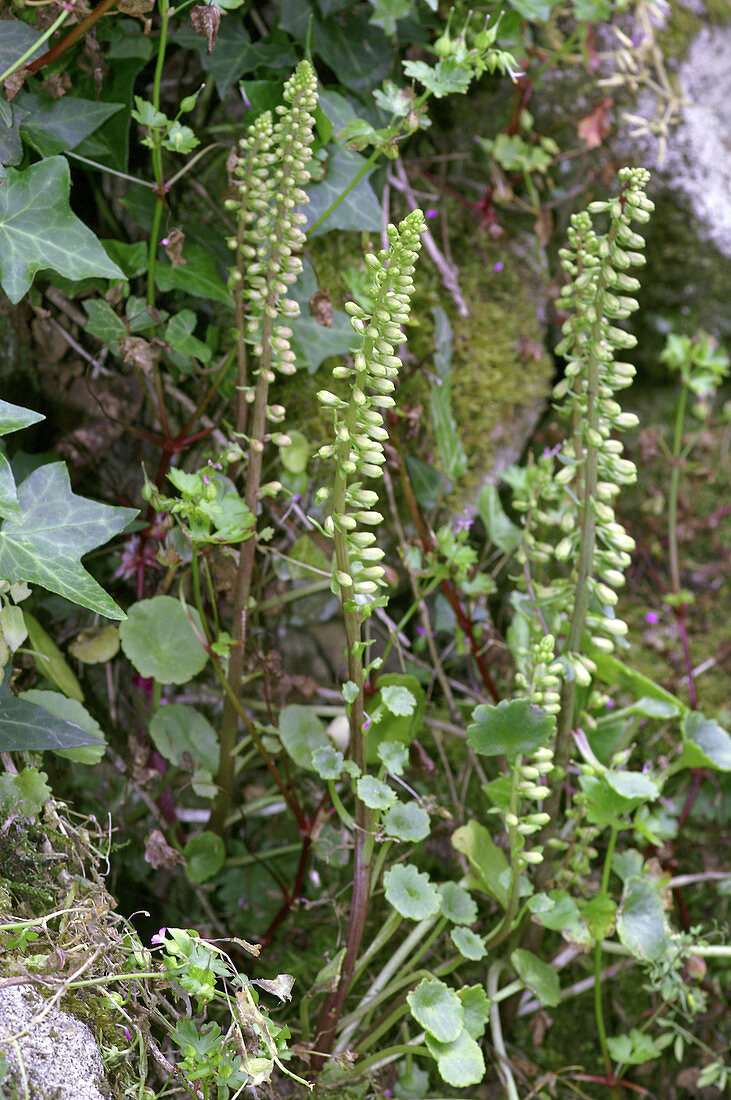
[(159, 937), (431, 212), (127, 1033), (247, 101), (498, 266), (652, 617), (366, 722), (609, 704)]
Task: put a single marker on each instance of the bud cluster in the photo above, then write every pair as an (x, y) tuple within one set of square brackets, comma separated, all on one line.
[(357, 422), (270, 170), (592, 467), (542, 688)]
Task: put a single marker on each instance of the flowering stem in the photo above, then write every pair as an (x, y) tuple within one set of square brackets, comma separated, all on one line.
[(160, 202), (598, 1009)]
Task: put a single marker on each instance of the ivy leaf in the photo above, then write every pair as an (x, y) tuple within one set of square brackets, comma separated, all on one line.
[(54, 125), (104, 323), (411, 893), (12, 419), (39, 231), (359, 211), (71, 711), (513, 727), (55, 529), (11, 145), (17, 37), (15, 417), (386, 14), (359, 53), (198, 275), (25, 726)]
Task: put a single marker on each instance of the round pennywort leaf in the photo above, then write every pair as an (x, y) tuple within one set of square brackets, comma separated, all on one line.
[(411, 893), (407, 821), (437, 1008), (468, 943), (456, 904), (158, 639)]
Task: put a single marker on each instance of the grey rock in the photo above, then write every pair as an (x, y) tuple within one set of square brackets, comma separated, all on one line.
[(57, 1057)]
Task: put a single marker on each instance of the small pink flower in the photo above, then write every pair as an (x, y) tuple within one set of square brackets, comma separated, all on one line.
[(430, 213), (498, 266), (652, 617), (159, 937)]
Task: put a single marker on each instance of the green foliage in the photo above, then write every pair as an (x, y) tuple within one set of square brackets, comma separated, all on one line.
[(38, 230), (410, 892), (54, 529), (260, 530), (163, 640)]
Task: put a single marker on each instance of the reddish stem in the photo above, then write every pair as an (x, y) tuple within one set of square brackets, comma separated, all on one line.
[(68, 40)]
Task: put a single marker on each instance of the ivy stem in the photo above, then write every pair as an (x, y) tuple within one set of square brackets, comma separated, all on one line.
[(18, 64), (73, 36)]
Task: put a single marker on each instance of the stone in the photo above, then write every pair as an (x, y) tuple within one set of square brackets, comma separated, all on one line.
[(57, 1056)]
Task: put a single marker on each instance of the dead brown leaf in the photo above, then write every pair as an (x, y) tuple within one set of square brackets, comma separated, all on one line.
[(594, 127), (321, 308), (57, 84), (158, 853), (15, 82), (174, 247), (139, 353)]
